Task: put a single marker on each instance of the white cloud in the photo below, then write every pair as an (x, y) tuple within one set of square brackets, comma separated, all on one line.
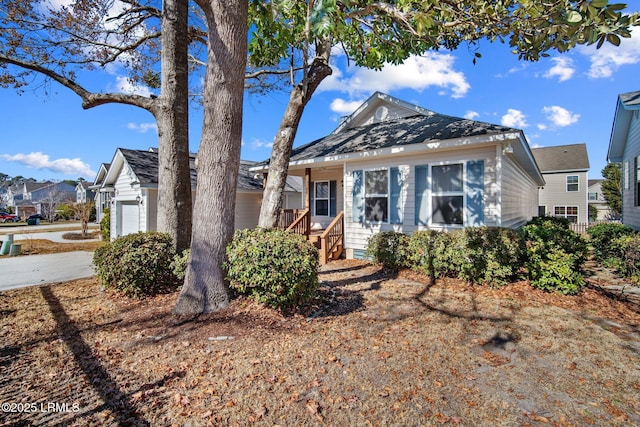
[(471, 115), (39, 160), (542, 126), (142, 127), (124, 85), (560, 117), (514, 119), (563, 69), (417, 73), (343, 107), (608, 59), (258, 143)]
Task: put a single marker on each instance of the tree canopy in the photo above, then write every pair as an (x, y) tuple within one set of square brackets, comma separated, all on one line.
[(612, 187)]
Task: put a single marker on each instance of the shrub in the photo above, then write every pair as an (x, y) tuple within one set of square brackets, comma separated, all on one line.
[(554, 221), (481, 255), (602, 237), (277, 268), (628, 263), (137, 264), (388, 248), (552, 269), (555, 255), (179, 264), (105, 225), (420, 251)]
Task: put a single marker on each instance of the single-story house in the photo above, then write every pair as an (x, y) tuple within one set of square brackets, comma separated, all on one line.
[(624, 148), (130, 183), (84, 193), (392, 165), (102, 193), (565, 170)]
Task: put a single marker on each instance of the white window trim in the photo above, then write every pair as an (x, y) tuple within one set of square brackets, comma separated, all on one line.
[(577, 215), (316, 198), (365, 194), (576, 183), (433, 194)]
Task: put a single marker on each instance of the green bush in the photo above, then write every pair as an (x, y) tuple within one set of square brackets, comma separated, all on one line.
[(552, 269), (602, 237), (481, 255), (137, 265), (421, 251), (555, 255), (554, 221), (179, 264), (105, 225), (277, 268), (388, 248), (628, 263)]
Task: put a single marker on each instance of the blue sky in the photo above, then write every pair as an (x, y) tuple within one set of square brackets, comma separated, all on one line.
[(564, 99)]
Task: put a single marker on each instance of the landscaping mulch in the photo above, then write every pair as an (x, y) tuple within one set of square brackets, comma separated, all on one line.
[(375, 348)]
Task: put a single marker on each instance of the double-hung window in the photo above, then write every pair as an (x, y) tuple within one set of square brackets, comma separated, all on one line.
[(447, 194), (321, 198), (376, 195), (572, 183)]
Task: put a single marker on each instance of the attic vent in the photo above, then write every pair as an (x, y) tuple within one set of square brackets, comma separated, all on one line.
[(382, 113)]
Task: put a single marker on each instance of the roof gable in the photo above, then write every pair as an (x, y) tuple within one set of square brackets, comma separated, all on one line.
[(626, 104), (380, 107), (562, 158)]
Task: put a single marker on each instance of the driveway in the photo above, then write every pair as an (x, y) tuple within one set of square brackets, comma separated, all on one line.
[(23, 271)]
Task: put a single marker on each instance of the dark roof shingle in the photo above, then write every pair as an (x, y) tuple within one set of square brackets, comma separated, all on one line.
[(404, 131)]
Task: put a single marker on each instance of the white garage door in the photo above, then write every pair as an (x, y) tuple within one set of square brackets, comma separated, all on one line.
[(129, 218)]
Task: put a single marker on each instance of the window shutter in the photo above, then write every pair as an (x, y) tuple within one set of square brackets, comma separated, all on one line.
[(332, 198), (422, 197), (313, 197), (357, 196), (395, 196), (475, 193)]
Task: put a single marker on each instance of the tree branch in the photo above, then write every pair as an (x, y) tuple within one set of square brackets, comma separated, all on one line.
[(89, 99)]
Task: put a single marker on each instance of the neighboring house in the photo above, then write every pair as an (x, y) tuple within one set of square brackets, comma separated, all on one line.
[(131, 180), (596, 199), (20, 196), (392, 165), (31, 197), (565, 170), (624, 148), (102, 193), (84, 193)]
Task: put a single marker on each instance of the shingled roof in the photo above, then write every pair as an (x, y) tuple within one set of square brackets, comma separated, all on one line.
[(562, 158), (404, 131), (144, 163)]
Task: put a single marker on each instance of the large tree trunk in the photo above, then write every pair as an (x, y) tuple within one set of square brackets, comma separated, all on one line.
[(272, 195), (174, 176), (205, 288)]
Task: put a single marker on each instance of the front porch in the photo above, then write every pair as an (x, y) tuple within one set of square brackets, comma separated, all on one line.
[(329, 241)]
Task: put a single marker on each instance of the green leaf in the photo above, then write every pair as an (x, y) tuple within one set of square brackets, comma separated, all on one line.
[(574, 17), (613, 39), (599, 3)]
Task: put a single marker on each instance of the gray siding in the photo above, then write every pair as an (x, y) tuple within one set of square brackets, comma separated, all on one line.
[(631, 213), (518, 201), (555, 193)]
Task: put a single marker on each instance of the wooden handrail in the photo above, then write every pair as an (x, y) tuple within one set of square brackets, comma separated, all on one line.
[(302, 224), (332, 236)]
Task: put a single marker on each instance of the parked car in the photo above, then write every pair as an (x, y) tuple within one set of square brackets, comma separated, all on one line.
[(7, 217)]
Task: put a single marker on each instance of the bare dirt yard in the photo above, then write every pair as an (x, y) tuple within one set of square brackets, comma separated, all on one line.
[(375, 349)]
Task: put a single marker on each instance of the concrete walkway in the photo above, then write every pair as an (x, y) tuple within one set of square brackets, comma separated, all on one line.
[(23, 271)]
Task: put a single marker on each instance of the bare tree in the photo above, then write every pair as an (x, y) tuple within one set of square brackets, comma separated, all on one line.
[(82, 212)]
